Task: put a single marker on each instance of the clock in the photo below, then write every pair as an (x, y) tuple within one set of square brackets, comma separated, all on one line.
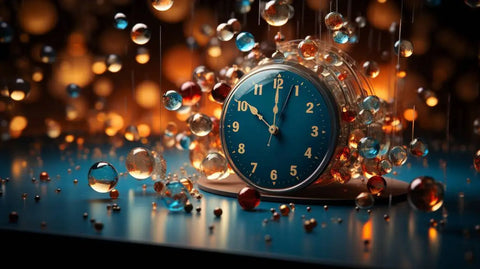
[(279, 127)]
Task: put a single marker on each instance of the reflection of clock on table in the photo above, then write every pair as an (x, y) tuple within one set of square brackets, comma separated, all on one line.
[(283, 133)]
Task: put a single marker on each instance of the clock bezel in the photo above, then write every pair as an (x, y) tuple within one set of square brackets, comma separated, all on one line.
[(332, 108)]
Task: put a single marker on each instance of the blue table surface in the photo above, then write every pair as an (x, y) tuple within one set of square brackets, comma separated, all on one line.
[(407, 240)]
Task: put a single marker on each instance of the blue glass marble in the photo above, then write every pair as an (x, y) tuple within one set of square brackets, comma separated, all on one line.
[(102, 177), (73, 90), (172, 100), (352, 39), (242, 6), (245, 41), (120, 21), (6, 32), (371, 103), (183, 141), (368, 147), (365, 116), (340, 36), (418, 147), (175, 197)]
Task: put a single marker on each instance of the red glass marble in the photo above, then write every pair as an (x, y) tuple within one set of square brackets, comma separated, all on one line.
[(158, 186), (217, 212), (425, 194), (248, 198), (284, 210), (191, 93), (114, 194), (376, 185), (220, 91), (307, 48), (44, 176), (476, 161)]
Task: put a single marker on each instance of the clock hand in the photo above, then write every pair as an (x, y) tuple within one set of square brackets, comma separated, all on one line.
[(286, 101), (254, 112)]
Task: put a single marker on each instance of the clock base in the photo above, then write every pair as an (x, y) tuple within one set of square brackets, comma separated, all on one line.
[(334, 193)]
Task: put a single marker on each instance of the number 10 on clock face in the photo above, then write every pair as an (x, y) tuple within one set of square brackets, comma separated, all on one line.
[(279, 127)]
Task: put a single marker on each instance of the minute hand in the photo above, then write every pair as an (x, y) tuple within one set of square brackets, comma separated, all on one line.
[(285, 102)]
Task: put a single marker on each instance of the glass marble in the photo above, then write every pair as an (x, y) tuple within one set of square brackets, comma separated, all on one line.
[(354, 138), (365, 116), (172, 128), (160, 166), (162, 5), (139, 163), (214, 166), (371, 103), (183, 141), (6, 32), (73, 90), (233, 74), (175, 196), (404, 48), (235, 25), (224, 32), (334, 21), (242, 6), (187, 183), (361, 21), (172, 100), (472, 3), (425, 194), (370, 167), (368, 147), (308, 49), (114, 194), (140, 34), (131, 133), (200, 124), (418, 147), (19, 90), (102, 177), (113, 63), (371, 69), (191, 93), (376, 185), (220, 91), (159, 187), (384, 167), (364, 200), (331, 58), (204, 77), (340, 36), (398, 155), (48, 54), (217, 212), (476, 161), (284, 210), (245, 41), (279, 37), (276, 13), (120, 21)]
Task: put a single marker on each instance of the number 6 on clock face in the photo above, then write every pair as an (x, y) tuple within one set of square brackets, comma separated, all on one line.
[(279, 127)]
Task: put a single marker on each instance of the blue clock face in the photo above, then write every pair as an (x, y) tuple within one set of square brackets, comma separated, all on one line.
[(279, 127)]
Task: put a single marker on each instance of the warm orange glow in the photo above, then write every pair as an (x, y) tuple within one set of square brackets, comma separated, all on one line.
[(401, 73), (110, 131), (201, 27), (99, 67), (115, 67), (114, 123), (217, 112), (37, 75), (143, 130), (410, 114), (76, 44), (71, 69), (177, 71), (69, 138), (367, 230), (17, 95), (431, 101), (432, 234), (37, 17), (214, 51), (80, 141), (129, 136), (381, 1), (147, 94), (18, 123), (381, 15), (142, 56), (103, 87)]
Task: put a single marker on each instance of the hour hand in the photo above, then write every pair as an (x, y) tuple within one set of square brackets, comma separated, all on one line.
[(254, 112)]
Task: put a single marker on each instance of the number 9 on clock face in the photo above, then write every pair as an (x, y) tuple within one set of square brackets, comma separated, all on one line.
[(279, 127)]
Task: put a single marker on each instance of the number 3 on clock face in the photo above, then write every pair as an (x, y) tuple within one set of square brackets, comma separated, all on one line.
[(279, 127)]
